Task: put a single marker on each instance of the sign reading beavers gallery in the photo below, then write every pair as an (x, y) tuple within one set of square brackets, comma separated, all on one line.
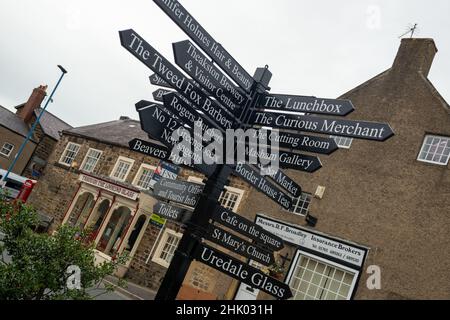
[(109, 186)]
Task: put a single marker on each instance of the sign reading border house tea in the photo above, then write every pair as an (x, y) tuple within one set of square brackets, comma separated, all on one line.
[(242, 271), (240, 246), (248, 228), (183, 192), (203, 39)]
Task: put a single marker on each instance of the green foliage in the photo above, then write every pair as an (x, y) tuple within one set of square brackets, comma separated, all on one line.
[(39, 262)]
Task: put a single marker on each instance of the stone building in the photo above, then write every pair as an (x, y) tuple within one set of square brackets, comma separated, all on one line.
[(95, 181), (379, 206), (14, 128)]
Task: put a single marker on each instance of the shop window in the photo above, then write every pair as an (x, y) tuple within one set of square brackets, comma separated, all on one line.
[(122, 168), (6, 149), (81, 210), (166, 248), (97, 217), (301, 204), (343, 142), (317, 279), (144, 176), (69, 153), (230, 198), (134, 235), (91, 159), (435, 149), (114, 231)]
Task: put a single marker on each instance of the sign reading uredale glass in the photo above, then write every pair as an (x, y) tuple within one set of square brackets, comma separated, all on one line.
[(302, 238)]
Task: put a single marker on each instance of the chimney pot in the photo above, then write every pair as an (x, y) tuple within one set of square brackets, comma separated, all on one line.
[(415, 55), (37, 96)]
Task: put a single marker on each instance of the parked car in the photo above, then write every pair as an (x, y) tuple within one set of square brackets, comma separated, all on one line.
[(16, 187)]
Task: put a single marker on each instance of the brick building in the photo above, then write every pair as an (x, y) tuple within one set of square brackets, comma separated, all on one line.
[(14, 128), (383, 204)]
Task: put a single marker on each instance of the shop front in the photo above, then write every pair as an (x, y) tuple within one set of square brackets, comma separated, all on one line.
[(320, 267), (112, 214)]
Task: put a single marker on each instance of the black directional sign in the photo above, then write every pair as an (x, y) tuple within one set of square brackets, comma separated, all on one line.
[(304, 104), (144, 52), (241, 271), (295, 141), (203, 39), (346, 128), (285, 182), (159, 94), (171, 212), (240, 246), (183, 192), (260, 183), (158, 81), (149, 149), (160, 126), (248, 228), (285, 159), (205, 73)]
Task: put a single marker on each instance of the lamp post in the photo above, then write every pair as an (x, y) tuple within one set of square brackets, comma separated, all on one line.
[(30, 133)]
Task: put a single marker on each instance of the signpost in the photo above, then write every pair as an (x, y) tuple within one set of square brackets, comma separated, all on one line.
[(239, 245), (304, 104), (218, 103), (183, 192), (149, 149), (346, 128), (242, 272)]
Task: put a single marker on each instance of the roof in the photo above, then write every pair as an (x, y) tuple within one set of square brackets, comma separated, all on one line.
[(118, 132), (13, 122), (51, 124)]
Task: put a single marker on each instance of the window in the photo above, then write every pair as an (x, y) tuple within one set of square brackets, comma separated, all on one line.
[(230, 198), (435, 149), (69, 153), (301, 204), (122, 168), (166, 248), (7, 149), (144, 176), (317, 279), (343, 142), (91, 159)]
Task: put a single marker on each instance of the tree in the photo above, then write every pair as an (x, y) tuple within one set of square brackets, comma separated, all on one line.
[(43, 266)]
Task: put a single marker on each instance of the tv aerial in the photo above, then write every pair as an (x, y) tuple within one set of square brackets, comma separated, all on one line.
[(411, 29)]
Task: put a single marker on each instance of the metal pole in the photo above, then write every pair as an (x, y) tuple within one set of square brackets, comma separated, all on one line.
[(11, 167)]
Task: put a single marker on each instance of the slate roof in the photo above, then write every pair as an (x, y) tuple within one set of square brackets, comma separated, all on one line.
[(51, 124), (10, 120), (117, 132)]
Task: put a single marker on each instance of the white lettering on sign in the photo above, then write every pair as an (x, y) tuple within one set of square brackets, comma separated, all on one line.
[(309, 240), (127, 193)]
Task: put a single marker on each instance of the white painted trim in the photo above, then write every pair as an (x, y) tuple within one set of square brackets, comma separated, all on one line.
[(121, 158), (161, 244), (85, 159), (4, 154), (423, 146), (139, 174), (240, 192), (64, 153)]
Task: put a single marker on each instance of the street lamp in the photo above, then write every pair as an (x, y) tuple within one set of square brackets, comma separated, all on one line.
[(11, 167)]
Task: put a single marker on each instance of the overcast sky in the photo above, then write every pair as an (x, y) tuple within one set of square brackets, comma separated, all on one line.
[(321, 48)]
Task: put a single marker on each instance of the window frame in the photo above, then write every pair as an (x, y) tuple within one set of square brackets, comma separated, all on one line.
[(240, 193), (86, 158), (423, 147), (156, 256), (297, 199), (138, 175), (10, 151), (333, 264), (63, 155), (125, 159), (341, 146)]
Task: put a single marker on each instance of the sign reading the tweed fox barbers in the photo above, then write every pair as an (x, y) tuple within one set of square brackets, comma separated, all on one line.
[(145, 53), (346, 128), (203, 39), (242, 271), (239, 245), (305, 104)]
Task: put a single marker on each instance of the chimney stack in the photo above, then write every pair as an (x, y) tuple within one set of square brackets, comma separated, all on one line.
[(37, 96), (415, 55)]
